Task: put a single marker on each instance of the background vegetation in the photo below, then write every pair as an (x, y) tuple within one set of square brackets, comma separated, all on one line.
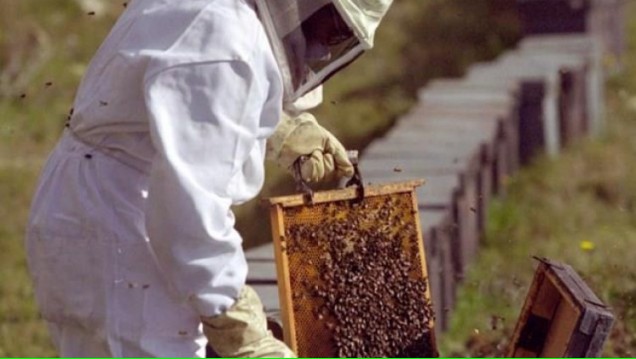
[(579, 209), (587, 195)]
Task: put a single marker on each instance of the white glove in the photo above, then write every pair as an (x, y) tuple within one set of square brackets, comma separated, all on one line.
[(242, 332), (303, 136)]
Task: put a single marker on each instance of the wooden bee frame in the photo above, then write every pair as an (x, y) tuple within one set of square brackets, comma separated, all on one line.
[(299, 269), (561, 316)]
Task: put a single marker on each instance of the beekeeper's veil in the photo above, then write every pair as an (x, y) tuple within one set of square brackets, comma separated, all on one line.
[(313, 39)]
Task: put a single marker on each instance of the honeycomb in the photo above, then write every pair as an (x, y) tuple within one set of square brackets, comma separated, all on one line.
[(357, 275)]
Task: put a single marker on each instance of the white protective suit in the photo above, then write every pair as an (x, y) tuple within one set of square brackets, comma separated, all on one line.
[(131, 240), (168, 131)]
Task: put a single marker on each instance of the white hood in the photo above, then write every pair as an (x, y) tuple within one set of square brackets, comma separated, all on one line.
[(347, 28)]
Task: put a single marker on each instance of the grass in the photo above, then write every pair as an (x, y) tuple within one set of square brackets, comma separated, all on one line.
[(53, 40), (21, 330), (36, 46), (560, 209)]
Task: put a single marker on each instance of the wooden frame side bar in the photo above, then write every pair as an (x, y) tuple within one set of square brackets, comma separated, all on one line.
[(282, 271)]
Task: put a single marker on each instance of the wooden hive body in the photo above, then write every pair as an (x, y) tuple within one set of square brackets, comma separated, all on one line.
[(561, 316)]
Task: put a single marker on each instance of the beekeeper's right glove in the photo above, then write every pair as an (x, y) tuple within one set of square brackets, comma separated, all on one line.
[(241, 332), (326, 157)]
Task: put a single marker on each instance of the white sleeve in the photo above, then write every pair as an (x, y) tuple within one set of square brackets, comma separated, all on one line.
[(203, 131)]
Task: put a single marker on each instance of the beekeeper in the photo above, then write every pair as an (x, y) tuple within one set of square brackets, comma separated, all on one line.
[(131, 241)]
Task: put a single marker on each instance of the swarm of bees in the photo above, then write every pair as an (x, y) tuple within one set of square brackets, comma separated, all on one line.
[(367, 287)]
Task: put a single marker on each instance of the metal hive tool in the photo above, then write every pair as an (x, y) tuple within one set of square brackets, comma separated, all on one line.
[(352, 274)]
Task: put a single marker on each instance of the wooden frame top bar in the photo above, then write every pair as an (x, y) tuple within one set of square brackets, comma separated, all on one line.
[(346, 193)]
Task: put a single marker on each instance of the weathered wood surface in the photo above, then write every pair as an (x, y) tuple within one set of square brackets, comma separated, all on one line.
[(561, 316)]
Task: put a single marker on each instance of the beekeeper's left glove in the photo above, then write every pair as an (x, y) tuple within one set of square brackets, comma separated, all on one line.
[(241, 332), (326, 157)]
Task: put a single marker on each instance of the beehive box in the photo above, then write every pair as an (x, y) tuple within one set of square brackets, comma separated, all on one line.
[(496, 151), (476, 162), (561, 316), (438, 233), (478, 108), (539, 91), (583, 46), (352, 273)]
